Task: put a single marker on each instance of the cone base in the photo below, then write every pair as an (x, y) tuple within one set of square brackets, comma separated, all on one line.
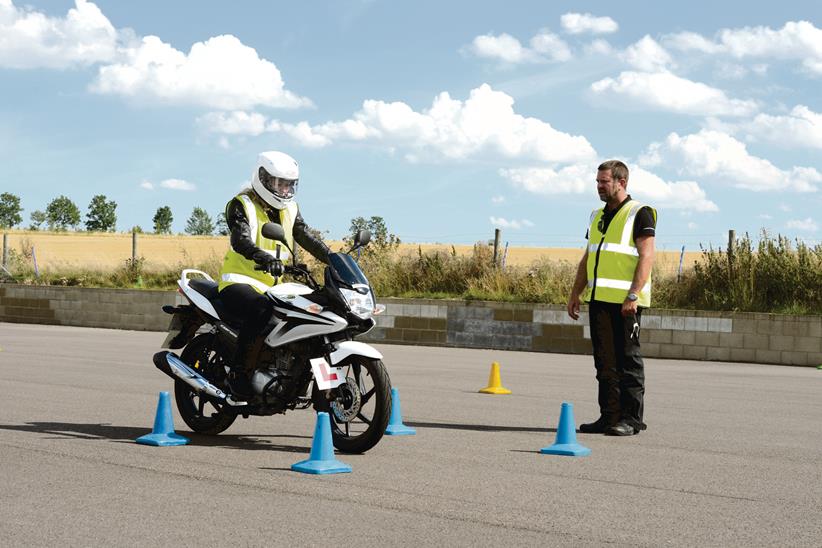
[(495, 390), (162, 440), (566, 449), (399, 430), (330, 466)]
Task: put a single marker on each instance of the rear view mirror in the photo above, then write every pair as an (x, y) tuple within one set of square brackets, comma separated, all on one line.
[(273, 231)]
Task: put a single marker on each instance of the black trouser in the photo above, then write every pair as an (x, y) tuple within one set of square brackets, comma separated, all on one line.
[(618, 361), (243, 301)]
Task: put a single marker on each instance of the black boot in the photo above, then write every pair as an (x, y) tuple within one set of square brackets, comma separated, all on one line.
[(239, 374)]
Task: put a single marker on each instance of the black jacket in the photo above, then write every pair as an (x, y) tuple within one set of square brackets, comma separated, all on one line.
[(243, 242)]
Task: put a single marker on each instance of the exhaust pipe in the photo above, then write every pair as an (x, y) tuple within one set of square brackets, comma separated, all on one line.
[(174, 367)]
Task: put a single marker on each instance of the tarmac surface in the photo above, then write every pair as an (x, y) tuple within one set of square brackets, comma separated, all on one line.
[(732, 457)]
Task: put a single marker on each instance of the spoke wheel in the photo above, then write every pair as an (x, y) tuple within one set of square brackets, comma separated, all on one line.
[(361, 406), (201, 414)]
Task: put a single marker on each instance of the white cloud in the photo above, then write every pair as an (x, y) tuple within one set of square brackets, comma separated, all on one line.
[(807, 225), (599, 47), (796, 40), (503, 47), (545, 46), (220, 73), (512, 224), (801, 128), (765, 216), (483, 124), (177, 184), (499, 199), (577, 23), (667, 92), (685, 195), (646, 55), (551, 46), (30, 39), (717, 156), (235, 122), (574, 179), (148, 185), (785, 207), (580, 179)]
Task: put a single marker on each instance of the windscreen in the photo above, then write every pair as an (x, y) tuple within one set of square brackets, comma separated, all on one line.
[(347, 269)]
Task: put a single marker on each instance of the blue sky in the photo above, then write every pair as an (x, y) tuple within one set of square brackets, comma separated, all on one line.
[(448, 119)]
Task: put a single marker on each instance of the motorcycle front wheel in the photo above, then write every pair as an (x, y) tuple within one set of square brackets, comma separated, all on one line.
[(200, 413), (360, 408)]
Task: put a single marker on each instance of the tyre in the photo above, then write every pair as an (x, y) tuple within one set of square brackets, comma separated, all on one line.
[(361, 406), (200, 413)]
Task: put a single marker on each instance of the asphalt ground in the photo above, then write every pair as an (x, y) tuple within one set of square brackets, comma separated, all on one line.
[(732, 457)]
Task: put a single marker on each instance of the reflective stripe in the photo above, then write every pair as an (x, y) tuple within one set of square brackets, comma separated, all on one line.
[(614, 248), (243, 279), (251, 213), (617, 284)]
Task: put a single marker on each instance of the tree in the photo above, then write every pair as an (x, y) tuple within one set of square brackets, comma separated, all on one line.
[(10, 210), (62, 213), (37, 219), (222, 225), (200, 223), (101, 216), (162, 220), (381, 239)]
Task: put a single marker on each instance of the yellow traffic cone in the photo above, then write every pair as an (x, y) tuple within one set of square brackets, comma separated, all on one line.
[(494, 382)]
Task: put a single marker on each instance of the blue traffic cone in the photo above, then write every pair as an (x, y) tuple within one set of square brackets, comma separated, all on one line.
[(321, 460), (395, 425), (163, 434), (566, 442)]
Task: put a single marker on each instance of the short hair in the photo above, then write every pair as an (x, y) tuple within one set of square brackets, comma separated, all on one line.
[(617, 168)]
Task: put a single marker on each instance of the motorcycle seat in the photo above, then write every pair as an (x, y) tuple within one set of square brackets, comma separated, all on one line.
[(210, 290)]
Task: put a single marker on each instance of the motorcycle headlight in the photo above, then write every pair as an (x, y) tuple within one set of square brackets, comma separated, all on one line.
[(361, 304)]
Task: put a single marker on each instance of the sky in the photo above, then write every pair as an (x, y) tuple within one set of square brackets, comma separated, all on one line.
[(447, 119)]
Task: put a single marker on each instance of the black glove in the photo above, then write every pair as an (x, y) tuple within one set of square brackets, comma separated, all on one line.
[(268, 262)]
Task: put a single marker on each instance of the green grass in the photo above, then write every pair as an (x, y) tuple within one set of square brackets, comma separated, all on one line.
[(771, 275)]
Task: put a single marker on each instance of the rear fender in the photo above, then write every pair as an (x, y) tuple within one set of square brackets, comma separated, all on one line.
[(185, 321)]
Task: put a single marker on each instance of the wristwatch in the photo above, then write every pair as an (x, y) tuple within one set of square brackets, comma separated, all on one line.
[(632, 297)]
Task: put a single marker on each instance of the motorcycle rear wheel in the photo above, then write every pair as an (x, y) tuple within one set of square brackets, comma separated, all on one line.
[(198, 412), (360, 412)]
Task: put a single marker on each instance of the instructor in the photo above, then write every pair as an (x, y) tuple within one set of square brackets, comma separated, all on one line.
[(615, 277)]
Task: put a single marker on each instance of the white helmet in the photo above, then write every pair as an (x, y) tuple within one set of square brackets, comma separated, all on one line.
[(275, 178)]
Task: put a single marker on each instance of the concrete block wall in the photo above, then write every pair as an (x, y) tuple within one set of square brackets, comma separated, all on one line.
[(680, 334), (136, 309)]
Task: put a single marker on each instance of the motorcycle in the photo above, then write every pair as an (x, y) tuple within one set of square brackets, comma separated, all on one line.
[(306, 356)]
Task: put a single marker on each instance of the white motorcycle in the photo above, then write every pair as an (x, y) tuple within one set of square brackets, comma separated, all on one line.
[(307, 356)]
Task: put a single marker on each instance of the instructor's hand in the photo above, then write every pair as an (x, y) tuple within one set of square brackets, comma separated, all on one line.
[(573, 306), (629, 308)]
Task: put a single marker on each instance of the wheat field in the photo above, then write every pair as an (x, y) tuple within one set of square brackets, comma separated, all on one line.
[(56, 251)]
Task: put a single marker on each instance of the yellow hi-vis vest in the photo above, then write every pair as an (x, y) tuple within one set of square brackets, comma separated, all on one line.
[(238, 269), (613, 257)]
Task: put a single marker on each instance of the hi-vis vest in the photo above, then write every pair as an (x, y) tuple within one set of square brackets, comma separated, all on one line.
[(238, 269), (613, 257)]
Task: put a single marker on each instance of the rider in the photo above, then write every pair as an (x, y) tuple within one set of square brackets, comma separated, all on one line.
[(242, 286)]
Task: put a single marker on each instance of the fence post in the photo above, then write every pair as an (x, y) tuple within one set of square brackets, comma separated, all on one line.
[(34, 258), (679, 272), (5, 250), (505, 255), (496, 244), (133, 246), (731, 246)]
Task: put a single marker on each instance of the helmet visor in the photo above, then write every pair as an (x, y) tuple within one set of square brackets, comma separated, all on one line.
[(281, 188)]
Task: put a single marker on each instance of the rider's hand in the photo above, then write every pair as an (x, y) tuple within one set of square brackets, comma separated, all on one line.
[(269, 263)]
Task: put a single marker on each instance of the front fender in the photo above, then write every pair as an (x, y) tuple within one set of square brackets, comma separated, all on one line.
[(350, 348)]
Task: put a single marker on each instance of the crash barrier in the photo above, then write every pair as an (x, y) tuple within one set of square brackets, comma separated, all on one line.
[(680, 334)]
